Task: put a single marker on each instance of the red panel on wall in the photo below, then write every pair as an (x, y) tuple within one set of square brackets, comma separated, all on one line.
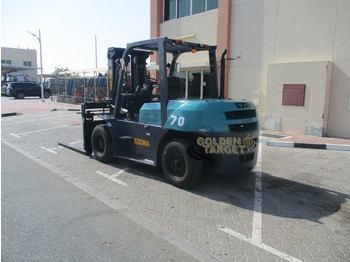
[(293, 95)]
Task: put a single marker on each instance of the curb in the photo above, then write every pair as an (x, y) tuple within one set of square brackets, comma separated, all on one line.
[(309, 145), (8, 114), (64, 109)]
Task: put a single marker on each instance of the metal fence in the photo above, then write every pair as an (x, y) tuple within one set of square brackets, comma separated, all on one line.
[(78, 90)]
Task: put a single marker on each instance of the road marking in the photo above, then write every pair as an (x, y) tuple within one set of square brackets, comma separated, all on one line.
[(257, 209), (256, 239), (114, 177), (259, 245), (76, 142), (50, 150), (34, 120), (37, 131)]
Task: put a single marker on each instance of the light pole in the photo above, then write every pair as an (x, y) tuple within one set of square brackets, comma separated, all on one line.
[(41, 65)]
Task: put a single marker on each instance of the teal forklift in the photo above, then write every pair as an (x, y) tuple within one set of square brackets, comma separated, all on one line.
[(150, 121)]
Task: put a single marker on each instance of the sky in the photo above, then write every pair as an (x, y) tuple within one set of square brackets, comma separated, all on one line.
[(68, 29)]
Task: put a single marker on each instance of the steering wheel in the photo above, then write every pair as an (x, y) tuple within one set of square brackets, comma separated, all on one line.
[(151, 81)]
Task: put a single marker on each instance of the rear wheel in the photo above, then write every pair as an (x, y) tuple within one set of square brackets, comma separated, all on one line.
[(46, 94), (181, 168), (102, 145), (20, 95)]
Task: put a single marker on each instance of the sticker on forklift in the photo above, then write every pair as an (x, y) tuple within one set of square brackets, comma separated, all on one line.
[(225, 145), (141, 142)]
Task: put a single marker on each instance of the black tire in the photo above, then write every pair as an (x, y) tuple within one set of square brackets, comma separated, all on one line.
[(102, 145), (46, 94), (21, 95), (179, 167)]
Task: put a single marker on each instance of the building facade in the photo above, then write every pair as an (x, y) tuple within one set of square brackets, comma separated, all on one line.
[(290, 57), (20, 62)]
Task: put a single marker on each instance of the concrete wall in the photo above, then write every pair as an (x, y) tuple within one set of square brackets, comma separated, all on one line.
[(310, 119), (280, 31)]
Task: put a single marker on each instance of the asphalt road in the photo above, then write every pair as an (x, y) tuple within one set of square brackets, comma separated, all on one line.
[(45, 218)]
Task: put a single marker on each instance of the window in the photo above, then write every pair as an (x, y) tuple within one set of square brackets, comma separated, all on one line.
[(170, 10), (8, 62), (212, 4), (198, 6), (183, 8), (27, 63), (180, 8)]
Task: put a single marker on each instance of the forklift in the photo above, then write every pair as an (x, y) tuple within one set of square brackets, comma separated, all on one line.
[(150, 121)]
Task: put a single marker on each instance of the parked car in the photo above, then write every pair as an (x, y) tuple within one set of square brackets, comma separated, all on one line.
[(23, 89), (4, 90)]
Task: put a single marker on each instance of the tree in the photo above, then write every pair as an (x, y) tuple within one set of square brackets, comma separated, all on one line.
[(59, 69)]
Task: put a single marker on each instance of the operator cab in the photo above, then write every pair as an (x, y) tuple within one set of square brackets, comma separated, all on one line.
[(132, 87)]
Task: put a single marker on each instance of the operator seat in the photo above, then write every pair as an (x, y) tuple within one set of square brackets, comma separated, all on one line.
[(174, 88)]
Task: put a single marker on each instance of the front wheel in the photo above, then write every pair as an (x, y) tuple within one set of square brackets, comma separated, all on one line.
[(102, 145), (179, 167)]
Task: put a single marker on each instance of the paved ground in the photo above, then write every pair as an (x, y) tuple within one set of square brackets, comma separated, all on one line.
[(295, 206)]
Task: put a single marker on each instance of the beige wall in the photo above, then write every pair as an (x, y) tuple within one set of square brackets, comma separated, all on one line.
[(280, 31), (202, 25), (265, 32), (339, 116)]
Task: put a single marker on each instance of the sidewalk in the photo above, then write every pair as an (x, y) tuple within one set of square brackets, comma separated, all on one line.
[(287, 139)]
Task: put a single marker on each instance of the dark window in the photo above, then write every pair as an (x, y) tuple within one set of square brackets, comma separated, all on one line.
[(212, 4), (184, 8), (27, 63), (198, 6), (179, 8), (8, 62), (169, 10)]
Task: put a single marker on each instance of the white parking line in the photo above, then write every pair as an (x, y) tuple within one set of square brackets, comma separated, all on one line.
[(257, 220), (256, 239), (114, 177), (37, 131), (76, 142), (50, 150), (259, 245), (34, 120)]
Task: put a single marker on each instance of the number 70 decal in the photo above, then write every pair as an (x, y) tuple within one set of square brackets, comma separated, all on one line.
[(180, 120)]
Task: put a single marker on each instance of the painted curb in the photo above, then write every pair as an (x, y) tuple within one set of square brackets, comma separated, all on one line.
[(309, 145), (280, 143), (64, 109)]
